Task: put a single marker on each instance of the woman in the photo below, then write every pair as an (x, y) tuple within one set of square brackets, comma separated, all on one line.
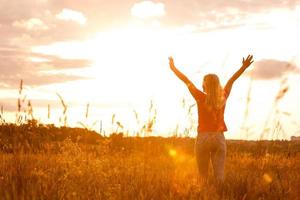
[(210, 142)]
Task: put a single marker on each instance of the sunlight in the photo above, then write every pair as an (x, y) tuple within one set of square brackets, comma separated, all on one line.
[(131, 99), (130, 67), (131, 55), (146, 9), (172, 152), (36, 59)]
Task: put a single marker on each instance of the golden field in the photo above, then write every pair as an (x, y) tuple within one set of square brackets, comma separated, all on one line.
[(46, 162)]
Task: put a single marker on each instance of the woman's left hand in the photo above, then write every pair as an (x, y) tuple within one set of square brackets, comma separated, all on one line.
[(248, 61)]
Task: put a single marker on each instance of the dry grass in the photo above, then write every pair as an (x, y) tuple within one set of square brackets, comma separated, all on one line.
[(141, 168)]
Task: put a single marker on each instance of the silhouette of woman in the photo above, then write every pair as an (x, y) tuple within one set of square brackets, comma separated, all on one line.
[(210, 142)]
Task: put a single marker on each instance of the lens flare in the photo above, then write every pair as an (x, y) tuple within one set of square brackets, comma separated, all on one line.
[(172, 152), (267, 178)]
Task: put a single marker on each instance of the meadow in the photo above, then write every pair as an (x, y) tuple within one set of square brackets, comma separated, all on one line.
[(46, 162)]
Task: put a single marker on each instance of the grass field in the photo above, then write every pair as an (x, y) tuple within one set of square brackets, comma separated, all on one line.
[(44, 162)]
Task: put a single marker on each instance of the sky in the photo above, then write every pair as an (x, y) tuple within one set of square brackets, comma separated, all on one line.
[(113, 56)]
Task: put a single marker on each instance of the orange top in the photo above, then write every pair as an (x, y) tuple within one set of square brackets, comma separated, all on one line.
[(209, 120)]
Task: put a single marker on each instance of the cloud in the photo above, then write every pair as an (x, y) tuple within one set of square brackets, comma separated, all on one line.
[(147, 9), (36, 68), (272, 69), (31, 24), (71, 15), (36, 79), (40, 60), (10, 104), (210, 15)]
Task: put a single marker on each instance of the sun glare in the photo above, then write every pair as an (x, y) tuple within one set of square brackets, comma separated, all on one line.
[(130, 64), (172, 152), (146, 9), (128, 55)]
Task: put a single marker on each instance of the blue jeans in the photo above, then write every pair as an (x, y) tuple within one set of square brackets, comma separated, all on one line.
[(211, 146)]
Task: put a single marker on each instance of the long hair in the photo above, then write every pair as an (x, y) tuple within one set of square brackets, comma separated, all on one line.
[(214, 92)]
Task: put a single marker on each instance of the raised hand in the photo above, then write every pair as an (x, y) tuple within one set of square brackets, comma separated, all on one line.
[(171, 61), (236, 75), (192, 88), (248, 61)]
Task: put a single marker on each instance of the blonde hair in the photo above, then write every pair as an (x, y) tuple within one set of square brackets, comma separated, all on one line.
[(214, 91)]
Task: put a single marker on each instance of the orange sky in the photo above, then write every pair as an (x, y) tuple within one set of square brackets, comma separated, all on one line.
[(113, 55)]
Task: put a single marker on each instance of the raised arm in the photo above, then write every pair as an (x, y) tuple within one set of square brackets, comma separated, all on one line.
[(236, 75), (192, 88)]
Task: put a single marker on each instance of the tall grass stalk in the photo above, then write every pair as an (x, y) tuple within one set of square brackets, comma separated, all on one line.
[(49, 112), (245, 126), (87, 111), (274, 112), (19, 117), (64, 117), (2, 120)]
